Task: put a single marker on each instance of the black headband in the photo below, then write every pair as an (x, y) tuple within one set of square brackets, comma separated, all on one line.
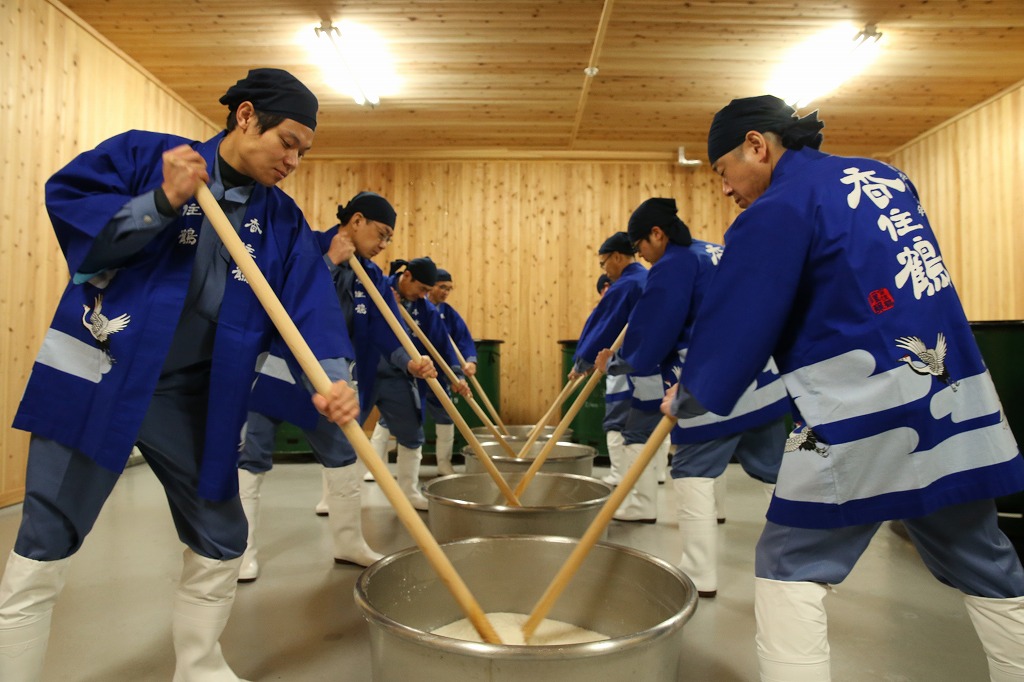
[(661, 213), (617, 243), (373, 207), (764, 114), (274, 91), (422, 269)]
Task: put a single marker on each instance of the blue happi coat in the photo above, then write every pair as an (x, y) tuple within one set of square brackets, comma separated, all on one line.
[(92, 394), (604, 325), (276, 394), (458, 330), (428, 318), (764, 400), (835, 271)]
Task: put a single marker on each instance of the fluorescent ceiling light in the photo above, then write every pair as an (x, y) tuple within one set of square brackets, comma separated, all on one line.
[(821, 64), (354, 61)]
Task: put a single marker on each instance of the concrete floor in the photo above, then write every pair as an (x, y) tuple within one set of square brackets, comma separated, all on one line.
[(889, 621)]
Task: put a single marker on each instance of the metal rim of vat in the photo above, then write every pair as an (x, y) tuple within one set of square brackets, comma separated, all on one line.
[(585, 451), (525, 509), (520, 652)]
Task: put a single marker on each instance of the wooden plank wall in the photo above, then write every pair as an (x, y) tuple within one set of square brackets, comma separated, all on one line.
[(62, 90), (969, 173), (520, 239)]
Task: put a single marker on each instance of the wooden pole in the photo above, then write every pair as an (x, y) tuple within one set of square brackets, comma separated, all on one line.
[(597, 527), (450, 373), (434, 384), (539, 460), (322, 383), (538, 428), (479, 389)]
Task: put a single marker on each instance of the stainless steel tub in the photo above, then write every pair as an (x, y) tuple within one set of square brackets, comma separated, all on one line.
[(565, 458), (470, 505), (638, 600)]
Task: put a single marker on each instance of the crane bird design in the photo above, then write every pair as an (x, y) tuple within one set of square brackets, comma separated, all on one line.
[(804, 438), (928, 360), (101, 327)]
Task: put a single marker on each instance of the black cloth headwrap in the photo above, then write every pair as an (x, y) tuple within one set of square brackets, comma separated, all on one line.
[(764, 114), (422, 269), (602, 282), (373, 207), (443, 275), (661, 213), (274, 91), (617, 243)]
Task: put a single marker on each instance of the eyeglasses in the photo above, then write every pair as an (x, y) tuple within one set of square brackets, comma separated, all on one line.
[(637, 243), (447, 288), (384, 236), (603, 261)]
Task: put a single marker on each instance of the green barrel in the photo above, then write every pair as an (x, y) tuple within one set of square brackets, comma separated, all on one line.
[(488, 374), (1001, 344), (586, 426)]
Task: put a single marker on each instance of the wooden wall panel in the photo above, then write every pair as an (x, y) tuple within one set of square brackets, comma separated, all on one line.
[(969, 173), (63, 91), (520, 238)]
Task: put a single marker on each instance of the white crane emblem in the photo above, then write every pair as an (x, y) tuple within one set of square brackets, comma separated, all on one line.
[(928, 360), (101, 327)]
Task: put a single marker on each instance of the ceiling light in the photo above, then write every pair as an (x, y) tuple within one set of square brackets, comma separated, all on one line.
[(818, 66), (354, 61)]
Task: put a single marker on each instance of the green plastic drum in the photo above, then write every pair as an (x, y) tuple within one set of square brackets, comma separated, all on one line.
[(488, 373), (1001, 344), (586, 426)]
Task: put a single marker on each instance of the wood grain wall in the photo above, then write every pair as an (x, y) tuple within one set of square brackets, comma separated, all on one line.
[(519, 236), (969, 173), (62, 90)]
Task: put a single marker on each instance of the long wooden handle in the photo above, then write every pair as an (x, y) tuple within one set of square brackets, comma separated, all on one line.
[(434, 384), (597, 527), (577, 405), (450, 373), (479, 389), (538, 428), (322, 383)]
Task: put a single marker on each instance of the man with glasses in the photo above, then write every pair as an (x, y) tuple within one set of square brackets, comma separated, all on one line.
[(617, 258), (463, 340), (366, 226)]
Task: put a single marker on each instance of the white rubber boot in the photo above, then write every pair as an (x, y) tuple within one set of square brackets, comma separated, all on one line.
[(792, 631), (721, 490), (444, 444), (616, 454), (249, 491), (661, 460), (321, 506), (698, 528), (409, 475), (1000, 626), (379, 441), (641, 504), (202, 606), (344, 501), (28, 591)]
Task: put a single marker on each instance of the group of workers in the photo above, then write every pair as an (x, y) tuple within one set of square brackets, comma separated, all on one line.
[(829, 302)]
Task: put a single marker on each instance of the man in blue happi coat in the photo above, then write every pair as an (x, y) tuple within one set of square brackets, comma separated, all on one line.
[(753, 432), (627, 277), (395, 393), (366, 226), (459, 334), (834, 270), (156, 340)]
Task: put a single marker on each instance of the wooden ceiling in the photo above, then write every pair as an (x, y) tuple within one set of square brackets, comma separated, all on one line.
[(504, 78)]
